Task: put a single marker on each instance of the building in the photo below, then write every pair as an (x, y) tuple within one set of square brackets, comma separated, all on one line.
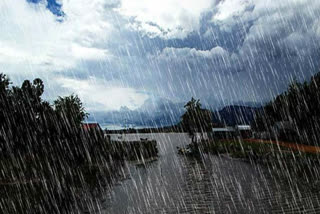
[(91, 126), (223, 133), (230, 132), (244, 131)]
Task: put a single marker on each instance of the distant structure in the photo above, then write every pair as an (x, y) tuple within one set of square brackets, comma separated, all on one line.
[(244, 131), (230, 132), (91, 126), (223, 133)]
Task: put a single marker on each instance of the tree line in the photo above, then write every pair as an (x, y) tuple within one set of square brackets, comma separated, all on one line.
[(33, 129), (299, 105), (45, 144)]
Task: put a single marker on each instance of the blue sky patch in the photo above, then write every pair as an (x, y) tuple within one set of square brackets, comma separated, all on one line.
[(52, 5)]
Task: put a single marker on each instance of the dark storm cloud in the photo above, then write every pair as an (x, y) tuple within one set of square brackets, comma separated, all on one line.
[(236, 50)]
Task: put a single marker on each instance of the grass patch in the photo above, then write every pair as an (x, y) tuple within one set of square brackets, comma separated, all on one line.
[(244, 149)]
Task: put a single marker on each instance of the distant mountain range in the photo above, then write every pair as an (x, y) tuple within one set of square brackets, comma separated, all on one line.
[(235, 114), (153, 113), (163, 112)]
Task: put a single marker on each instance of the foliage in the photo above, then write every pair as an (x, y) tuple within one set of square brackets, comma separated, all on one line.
[(243, 149), (4, 83), (31, 127), (42, 142), (72, 108), (196, 119), (299, 105)]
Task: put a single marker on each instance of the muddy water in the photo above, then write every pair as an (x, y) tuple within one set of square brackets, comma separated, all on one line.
[(176, 184)]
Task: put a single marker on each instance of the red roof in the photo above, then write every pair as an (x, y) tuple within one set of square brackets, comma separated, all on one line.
[(88, 126)]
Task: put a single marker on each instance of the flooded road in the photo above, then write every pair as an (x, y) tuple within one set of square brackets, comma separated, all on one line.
[(177, 184)]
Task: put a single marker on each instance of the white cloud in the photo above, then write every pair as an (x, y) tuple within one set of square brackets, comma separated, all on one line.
[(180, 53), (275, 26), (31, 34), (88, 53), (165, 18), (33, 41), (283, 23), (230, 8), (98, 95)]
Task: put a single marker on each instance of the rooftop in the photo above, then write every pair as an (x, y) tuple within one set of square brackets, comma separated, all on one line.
[(88, 126)]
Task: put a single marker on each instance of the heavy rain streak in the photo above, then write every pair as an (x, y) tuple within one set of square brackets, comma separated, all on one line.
[(159, 106)]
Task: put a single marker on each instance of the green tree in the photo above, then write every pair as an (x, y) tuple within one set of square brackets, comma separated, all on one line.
[(196, 119), (4, 88), (4, 83), (71, 108), (300, 106)]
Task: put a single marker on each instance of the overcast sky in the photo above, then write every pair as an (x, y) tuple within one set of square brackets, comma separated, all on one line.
[(115, 53)]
